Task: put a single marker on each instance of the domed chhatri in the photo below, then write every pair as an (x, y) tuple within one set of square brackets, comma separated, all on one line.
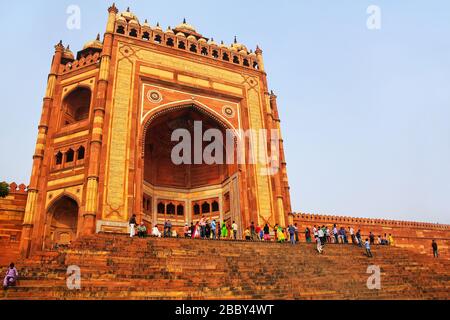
[(128, 15), (238, 46), (146, 24), (186, 27), (95, 44), (68, 54)]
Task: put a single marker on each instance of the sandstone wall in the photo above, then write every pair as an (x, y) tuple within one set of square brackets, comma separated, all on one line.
[(416, 236), (12, 209)]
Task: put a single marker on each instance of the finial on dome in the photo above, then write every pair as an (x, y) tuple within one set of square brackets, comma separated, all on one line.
[(184, 20), (258, 50), (157, 24), (98, 37), (235, 39), (128, 9)]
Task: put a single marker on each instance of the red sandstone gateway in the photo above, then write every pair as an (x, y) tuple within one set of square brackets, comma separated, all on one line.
[(103, 153)]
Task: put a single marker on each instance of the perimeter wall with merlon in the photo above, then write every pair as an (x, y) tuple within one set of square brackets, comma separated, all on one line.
[(416, 236)]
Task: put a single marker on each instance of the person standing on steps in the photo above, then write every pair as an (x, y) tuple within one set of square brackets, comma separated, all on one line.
[(391, 240), (261, 234), (315, 233), (219, 230), (192, 230), (234, 226), (11, 277), (291, 230), (308, 235), (202, 227), (169, 228), (275, 231), (368, 252), (197, 231), (319, 245), (266, 232), (297, 239), (213, 229), (165, 229), (280, 235), (358, 238), (229, 231), (253, 231), (320, 235), (258, 233), (352, 234), (434, 245), (186, 230), (132, 224), (372, 238), (224, 231), (335, 234), (328, 235), (208, 230)]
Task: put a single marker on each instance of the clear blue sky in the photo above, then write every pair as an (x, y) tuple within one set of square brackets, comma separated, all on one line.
[(365, 113)]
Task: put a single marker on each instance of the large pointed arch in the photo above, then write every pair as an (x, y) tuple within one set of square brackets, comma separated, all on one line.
[(150, 116)]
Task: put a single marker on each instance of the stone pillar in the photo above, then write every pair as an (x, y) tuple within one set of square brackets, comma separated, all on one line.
[(282, 194), (32, 200), (259, 58), (90, 214)]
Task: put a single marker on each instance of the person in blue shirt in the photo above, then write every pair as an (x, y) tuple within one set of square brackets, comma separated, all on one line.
[(369, 253), (291, 230)]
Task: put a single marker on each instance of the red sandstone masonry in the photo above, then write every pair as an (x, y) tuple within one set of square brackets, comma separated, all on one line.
[(12, 209), (416, 236)]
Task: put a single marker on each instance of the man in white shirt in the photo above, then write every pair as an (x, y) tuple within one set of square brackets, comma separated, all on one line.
[(156, 232), (234, 226), (321, 235), (335, 234), (352, 234)]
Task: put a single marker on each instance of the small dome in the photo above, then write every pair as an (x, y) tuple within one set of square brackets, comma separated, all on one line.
[(243, 52), (252, 54), (186, 26), (202, 40), (212, 42), (192, 38), (121, 19), (134, 22), (233, 48), (95, 44), (181, 35), (68, 54), (238, 46), (223, 45), (169, 30), (146, 24), (128, 15), (158, 27)]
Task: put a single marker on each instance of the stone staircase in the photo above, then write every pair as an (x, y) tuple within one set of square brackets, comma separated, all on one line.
[(117, 267)]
